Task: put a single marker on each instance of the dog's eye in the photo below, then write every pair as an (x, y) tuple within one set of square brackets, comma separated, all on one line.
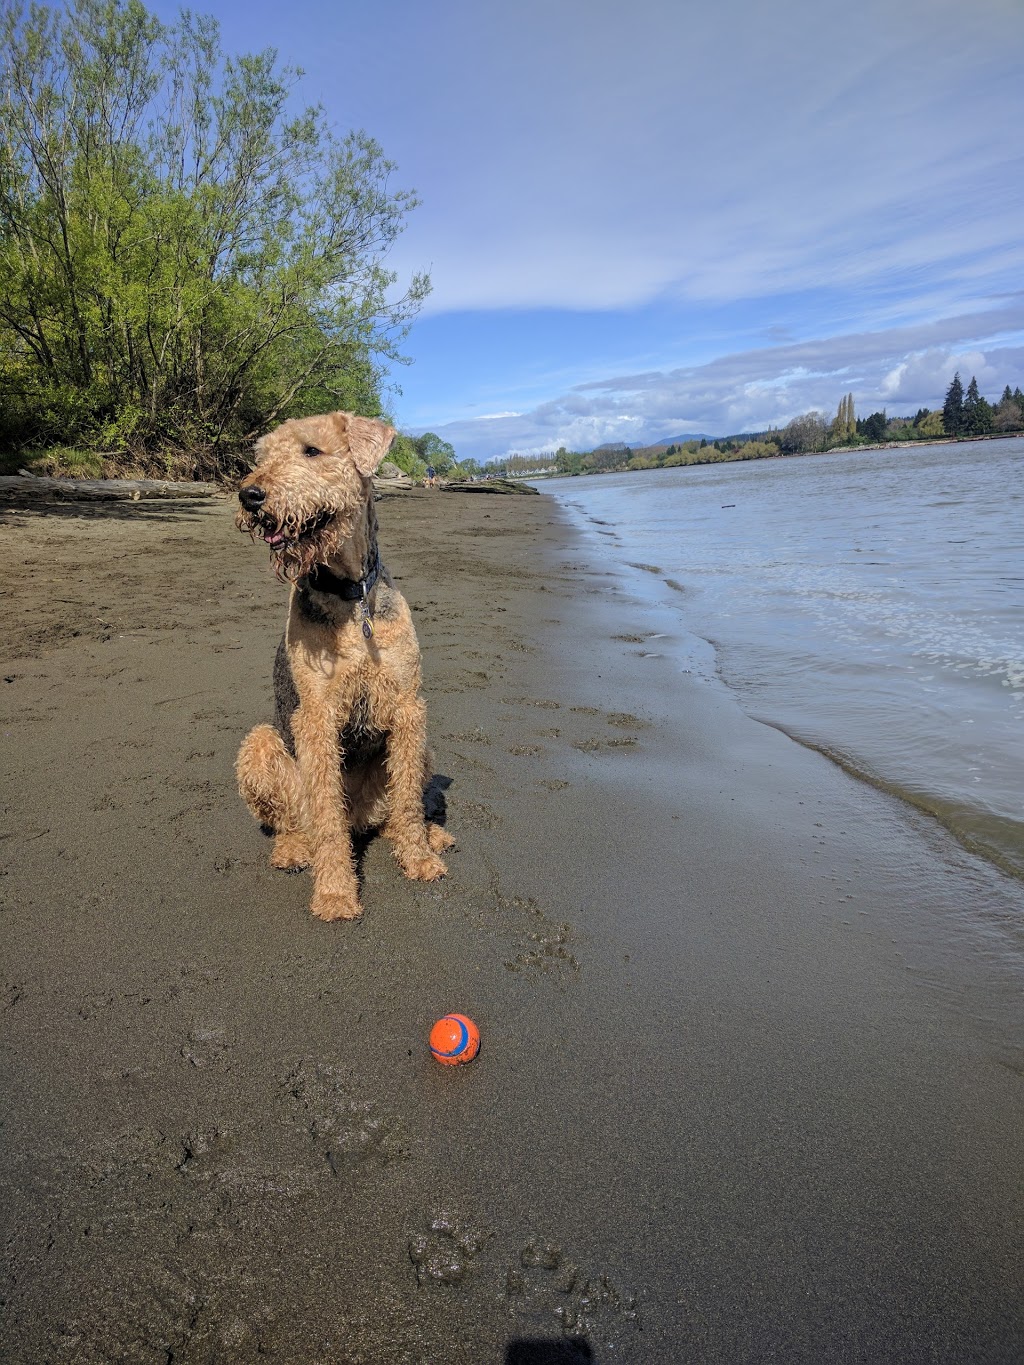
[(311, 451)]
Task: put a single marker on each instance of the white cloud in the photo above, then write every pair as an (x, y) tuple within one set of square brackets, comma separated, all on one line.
[(901, 370)]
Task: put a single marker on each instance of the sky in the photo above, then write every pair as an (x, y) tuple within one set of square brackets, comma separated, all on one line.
[(644, 218)]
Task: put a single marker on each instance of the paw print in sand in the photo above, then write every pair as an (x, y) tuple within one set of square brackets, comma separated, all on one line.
[(444, 1253), (587, 1307), (348, 1131)]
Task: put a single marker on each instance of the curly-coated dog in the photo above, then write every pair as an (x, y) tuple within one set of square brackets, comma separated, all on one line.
[(348, 750)]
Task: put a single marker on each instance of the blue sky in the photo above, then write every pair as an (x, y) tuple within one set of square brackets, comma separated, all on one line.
[(661, 216)]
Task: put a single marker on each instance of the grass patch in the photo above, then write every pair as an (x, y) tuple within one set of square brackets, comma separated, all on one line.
[(62, 462), (70, 462)]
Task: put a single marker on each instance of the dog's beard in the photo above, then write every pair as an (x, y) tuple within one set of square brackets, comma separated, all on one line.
[(298, 543)]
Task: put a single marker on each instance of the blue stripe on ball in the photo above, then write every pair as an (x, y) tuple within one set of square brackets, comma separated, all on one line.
[(460, 1046)]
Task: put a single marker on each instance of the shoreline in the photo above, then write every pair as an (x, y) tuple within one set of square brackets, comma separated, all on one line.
[(782, 455), (750, 1081)]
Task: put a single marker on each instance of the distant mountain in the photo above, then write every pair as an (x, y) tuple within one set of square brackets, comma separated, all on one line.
[(651, 445), (679, 440)]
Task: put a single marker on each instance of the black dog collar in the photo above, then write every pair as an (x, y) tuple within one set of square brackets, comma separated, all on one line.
[(349, 589)]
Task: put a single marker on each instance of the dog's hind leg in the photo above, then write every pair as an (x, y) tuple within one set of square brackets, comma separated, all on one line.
[(268, 778)]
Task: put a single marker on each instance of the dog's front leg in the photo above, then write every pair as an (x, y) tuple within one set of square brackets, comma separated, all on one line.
[(406, 825), (335, 887)]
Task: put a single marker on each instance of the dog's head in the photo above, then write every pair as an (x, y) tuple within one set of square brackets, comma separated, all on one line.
[(311, 487)]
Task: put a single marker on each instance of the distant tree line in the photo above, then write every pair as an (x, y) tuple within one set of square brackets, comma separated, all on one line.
[(969, 414), (962, 414), (186, 259)]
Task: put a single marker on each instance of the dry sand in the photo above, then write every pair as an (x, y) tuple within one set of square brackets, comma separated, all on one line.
[(751, 1080)]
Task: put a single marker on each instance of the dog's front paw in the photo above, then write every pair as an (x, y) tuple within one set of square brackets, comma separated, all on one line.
[(332, 905), (439, 839), (291, 852)]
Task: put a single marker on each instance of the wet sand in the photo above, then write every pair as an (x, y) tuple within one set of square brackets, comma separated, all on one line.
[(751, 1085)]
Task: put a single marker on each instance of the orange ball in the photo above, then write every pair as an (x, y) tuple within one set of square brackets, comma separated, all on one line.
[(454, 1039)]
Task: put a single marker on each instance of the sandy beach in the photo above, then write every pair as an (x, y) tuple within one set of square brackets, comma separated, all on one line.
[(752, 1078)]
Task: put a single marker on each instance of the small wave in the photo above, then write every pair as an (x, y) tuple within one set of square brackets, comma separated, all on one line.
[(996, 838)]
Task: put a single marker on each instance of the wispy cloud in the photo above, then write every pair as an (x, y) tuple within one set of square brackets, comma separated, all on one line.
[(599, 159)]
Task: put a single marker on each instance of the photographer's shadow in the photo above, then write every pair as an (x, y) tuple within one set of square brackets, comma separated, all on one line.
[(544, 1351)]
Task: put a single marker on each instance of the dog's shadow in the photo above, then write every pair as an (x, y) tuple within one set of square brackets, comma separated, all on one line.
[(435, 807)]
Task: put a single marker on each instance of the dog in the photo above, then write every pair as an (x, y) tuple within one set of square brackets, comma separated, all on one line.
[(348, 750)]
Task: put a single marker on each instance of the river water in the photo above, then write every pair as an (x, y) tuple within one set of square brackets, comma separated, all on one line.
[(870, 604)]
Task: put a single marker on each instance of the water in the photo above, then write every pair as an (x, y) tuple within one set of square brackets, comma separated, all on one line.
[(869, 604)]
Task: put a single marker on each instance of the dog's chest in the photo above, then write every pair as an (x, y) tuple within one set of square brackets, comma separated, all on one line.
[(365, 698), (361, 736)]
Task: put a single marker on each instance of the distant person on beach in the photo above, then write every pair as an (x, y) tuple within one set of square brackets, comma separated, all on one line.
[(431, 476)]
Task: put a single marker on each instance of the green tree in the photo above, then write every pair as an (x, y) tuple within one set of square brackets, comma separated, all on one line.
[(1009, 413), (931, 425), (844, 424), (403, 453), (435, 452), (568, 461), (185, 259), (953, 407), (977, 411), (872, 428)]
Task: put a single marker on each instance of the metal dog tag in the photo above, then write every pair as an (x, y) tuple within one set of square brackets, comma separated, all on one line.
[(367, 618)]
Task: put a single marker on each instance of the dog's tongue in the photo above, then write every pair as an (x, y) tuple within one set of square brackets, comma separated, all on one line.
[(274, 538)]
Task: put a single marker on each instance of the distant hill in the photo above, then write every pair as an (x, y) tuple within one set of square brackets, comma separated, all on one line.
[(679, 440), (653, 445)]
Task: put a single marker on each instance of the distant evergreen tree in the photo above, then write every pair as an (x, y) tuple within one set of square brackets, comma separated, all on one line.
[(873, 428), (1007, 394), (977, 411), (953, 408)]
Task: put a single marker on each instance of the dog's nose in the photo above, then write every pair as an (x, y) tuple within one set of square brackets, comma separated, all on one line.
[(252, 498)]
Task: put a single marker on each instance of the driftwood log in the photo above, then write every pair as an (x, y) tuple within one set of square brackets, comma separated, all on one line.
[(488, 486)]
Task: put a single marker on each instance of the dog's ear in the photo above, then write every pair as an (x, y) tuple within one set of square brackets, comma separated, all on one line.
[(368, 440)]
